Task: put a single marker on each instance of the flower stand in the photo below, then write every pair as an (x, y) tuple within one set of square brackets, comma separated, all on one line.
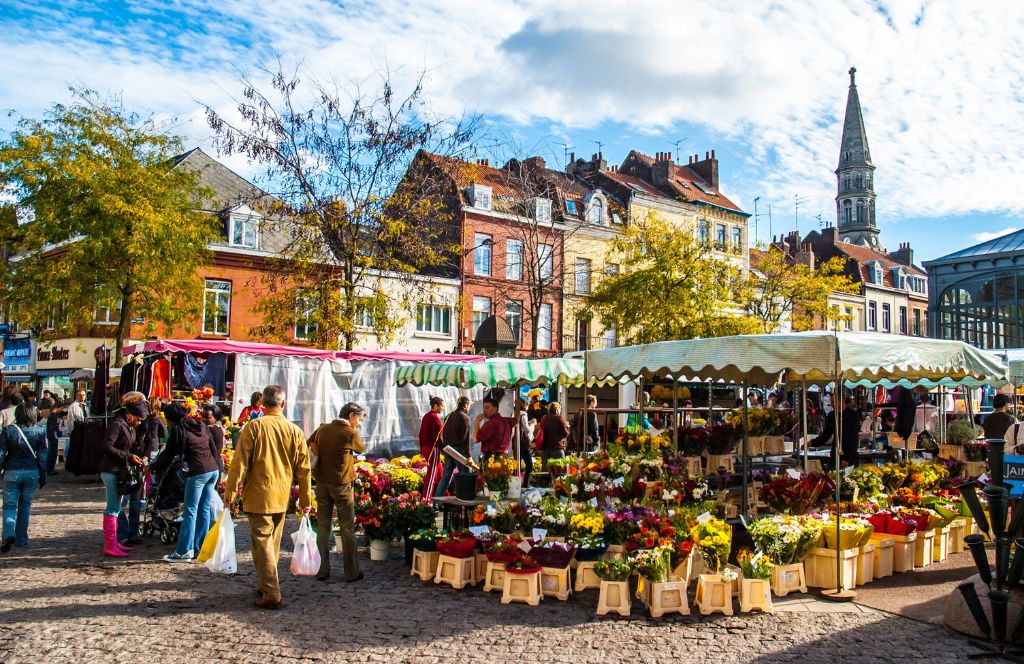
[(866, 563), (669, 597), (614, 597), (756, 594), (788, 579), (736, 582), (883, 560), (684, 569), (775, 445), (956, 535), (693, 468), (494, 577), (923, 548), (522, 588), (955, 452), (713, 595), (820, 567), (903, 552), (457, 572), (380, 549), (585, 577), (614, 552), (554, 582), (756, 445), (716, 461), (479, 567), (940, 544), (424, 564)]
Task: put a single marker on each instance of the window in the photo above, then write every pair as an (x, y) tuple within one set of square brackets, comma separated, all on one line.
[(582, 276), (720, 235), (541, 208), (545, 261), (306, 326), (513, 260), (481, 310), (861, 213), (482, 255), (847, 212), (108, 315), (903, 320), (872, 316), (611, 336), (544, 327), (737, 238), (875, 272), (917, 322), (859, 182), (216, 306), (848, 323), (611, 269), (595, 213), (846, 184), (514, 318), (917, 285), (480, 196), (364, 316), (434, 319), (703, 232), (886, 318), (570, 207), (243, 230), (616, 219)]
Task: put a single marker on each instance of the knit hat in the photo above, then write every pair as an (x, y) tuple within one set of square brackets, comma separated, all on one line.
[(138, 408)]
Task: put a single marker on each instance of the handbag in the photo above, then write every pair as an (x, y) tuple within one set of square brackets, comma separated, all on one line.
[(129, 479), (39, 465)]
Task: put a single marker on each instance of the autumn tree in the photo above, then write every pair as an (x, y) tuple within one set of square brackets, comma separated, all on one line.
[(335, 158), (105, 223), (779, 286), (671, 286)]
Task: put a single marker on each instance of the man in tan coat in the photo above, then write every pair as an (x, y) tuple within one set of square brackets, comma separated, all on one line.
[(271, 452), (335, 443)]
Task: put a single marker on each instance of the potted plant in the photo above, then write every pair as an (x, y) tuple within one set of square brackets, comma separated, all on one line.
[(497, 473), (614, 589), (376, 523), (961, 431), (457, 544)]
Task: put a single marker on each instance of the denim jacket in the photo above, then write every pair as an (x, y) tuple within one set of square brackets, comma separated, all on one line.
[(14, 455)]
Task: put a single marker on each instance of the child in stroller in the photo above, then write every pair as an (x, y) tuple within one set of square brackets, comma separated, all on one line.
[(165, 504)]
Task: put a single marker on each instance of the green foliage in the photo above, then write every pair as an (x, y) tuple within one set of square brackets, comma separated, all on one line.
[(104, 221), (671, 287), (961, 431)]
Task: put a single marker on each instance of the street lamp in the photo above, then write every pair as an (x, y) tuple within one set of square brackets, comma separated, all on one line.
[(486, 243)]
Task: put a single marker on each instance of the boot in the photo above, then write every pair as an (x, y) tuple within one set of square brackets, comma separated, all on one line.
[(110, 545)]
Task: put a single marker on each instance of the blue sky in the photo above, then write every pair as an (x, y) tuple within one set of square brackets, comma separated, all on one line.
[(764, 84)]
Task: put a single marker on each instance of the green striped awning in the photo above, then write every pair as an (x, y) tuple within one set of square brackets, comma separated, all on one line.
[(497, 372)]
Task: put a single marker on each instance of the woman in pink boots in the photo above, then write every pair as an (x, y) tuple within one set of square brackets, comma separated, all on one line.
[(117, 446)]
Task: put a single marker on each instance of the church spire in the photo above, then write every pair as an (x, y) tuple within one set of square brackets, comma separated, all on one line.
[(855, 198)]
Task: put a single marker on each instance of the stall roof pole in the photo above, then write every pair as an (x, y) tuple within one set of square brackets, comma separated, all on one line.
[(675, 415), (803, 412), (744, 500)]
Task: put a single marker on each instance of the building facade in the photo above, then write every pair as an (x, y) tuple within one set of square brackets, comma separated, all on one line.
[(977, 294)]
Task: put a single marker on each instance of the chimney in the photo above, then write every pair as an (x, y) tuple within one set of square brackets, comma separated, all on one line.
[(662, 170), (904, 254), (829, 234), (535, 163), (484, 162), (707, 169)]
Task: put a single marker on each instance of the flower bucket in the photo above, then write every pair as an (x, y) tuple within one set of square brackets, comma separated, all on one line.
[(458, 549), (848, 539), (590, 554), (755, 594), (614, 596), (380, 549), (465, 486)]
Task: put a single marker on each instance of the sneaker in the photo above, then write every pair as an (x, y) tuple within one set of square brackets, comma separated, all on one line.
[(179, 558)]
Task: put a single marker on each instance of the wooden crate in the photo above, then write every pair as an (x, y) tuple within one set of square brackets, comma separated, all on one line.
[(614, 596), (756, 594), (716, 461), (940, 544), (775, 445), (788, 579), (866, 564), (955, 452), (756, 445), (668, 597)]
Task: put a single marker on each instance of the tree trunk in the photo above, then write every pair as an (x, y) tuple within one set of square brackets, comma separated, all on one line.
[(124, 329)]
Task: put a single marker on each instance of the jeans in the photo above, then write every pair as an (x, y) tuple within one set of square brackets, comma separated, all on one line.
[(195, 521), (19, 487), (128, 519), (449, 468), (115, 501), (51, 455)]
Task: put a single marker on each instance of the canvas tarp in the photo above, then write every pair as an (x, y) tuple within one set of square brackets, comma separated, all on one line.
[(497, 372)]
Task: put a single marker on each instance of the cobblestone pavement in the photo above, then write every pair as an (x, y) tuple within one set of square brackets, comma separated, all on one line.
[(61, 601)]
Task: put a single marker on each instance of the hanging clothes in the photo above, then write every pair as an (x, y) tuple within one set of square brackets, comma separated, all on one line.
[(161, 386), (199, 373), (102, 378), (129, 376)]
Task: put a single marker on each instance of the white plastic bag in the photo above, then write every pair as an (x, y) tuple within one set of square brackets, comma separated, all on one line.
[(306, 558), (223, 560), (216, 507)]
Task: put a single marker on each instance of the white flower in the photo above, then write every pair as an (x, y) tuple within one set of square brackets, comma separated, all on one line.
[(729, 575)]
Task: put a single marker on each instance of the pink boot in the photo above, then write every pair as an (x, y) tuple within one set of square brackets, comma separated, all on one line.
[(110, 545)]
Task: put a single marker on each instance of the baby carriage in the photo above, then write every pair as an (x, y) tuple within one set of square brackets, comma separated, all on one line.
[(164, 506)]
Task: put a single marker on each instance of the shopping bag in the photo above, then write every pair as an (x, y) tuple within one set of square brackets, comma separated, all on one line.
[(210, 541), (223, 560), (216, 507), (306, 557)]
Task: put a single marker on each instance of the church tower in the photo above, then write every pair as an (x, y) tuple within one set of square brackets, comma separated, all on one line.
[(855, 200)]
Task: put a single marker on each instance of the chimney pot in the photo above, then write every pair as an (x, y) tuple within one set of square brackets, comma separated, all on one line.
[(712, 154), (707, 155)]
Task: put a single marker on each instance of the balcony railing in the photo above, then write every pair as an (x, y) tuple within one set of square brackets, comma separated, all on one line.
[(572, 342)]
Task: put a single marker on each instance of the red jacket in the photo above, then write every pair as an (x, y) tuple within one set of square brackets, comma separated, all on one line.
[(495, 435), (430, 427)]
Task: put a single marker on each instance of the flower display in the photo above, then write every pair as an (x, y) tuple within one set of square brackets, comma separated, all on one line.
[(729, 575), (785, 539), (867, 483), (497, 472), (425, 539), (798, 496), (722, 438), (590, 522), (852, 532), (457, 544), (652, 564), (620, 524), (403, 479), (713, 539), (503, 551), (553, 554), (613, 570), (693, 440), (754, 565)]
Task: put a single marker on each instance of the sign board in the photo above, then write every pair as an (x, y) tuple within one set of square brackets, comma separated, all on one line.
[(19, 356), (5, 329), (1013, 473)]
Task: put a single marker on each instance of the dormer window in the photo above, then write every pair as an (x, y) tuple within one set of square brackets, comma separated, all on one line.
[(570, 207), (540, 210), (595, 210), (899, 278), (480, 196), (243, 227), (875, 270)]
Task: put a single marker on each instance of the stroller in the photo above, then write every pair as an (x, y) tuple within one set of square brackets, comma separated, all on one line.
[(165, 503)]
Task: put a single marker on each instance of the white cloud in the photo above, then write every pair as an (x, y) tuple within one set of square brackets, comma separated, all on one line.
[(936, 81), (985, 236)]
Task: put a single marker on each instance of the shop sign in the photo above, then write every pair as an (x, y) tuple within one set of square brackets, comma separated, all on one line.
[(18, 356), (1013, 473), (54, 354)]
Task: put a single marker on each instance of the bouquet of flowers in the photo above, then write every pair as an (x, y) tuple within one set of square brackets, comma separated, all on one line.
[(754, 566), (797, 496), (926, 476), (506, 518), (722, 438), (590, 522), (642, 443), (905, 497), (203, 395), (652, 564), (786, 540), (457, 544), (425, 539), (620, 524), (588, 547), (713, 539), (408, 513), (654, 532), (761, 421), (375, 520), (867, 483), (497, 473), (852, 533), (553, 554), (556, 516), (613, 570), (405, 480), (523, 565), (694, 440), (504, 551)]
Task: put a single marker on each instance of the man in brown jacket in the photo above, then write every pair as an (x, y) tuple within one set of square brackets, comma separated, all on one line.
[(270, 452), (334, 444)]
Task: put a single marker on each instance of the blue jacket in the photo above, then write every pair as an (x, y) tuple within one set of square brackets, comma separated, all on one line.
[(14, 455)]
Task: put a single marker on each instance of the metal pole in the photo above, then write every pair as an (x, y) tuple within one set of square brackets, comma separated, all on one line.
[(838, 595), (640, 400), (586, 413), (803, 412), (675, 415), (746, 452)]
